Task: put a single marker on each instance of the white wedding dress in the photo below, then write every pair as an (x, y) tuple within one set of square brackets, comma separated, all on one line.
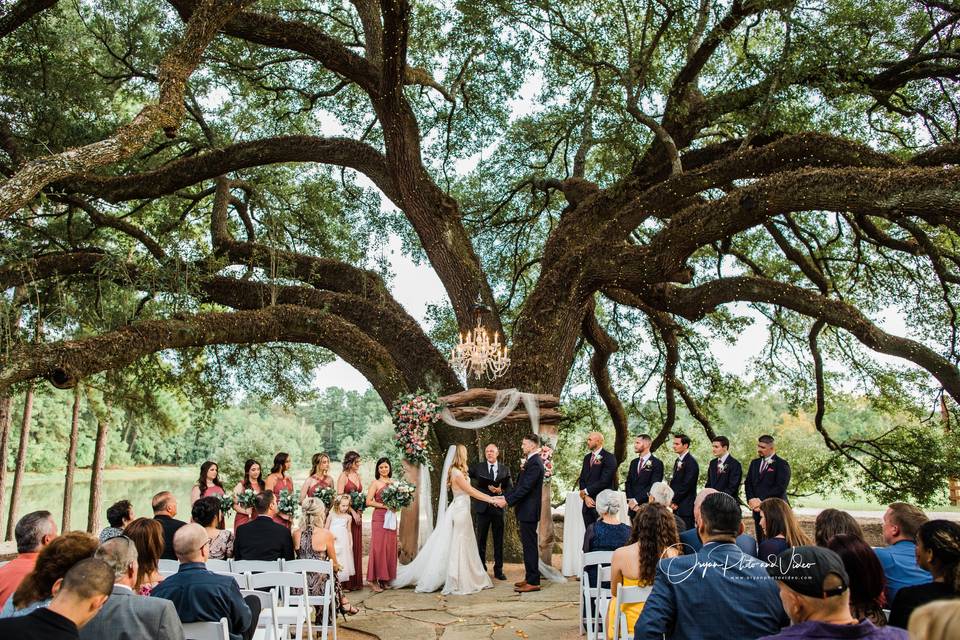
[(449, 559)]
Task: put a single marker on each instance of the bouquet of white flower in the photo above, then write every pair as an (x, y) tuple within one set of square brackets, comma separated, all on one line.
[(398, 495), (287, 503), (246, 498), (326, 495), (226, 503)]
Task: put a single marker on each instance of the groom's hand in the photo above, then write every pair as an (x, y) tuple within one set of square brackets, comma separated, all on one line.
[(499, 502)]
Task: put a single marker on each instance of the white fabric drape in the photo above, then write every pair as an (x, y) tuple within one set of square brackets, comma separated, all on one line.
[(442, 508), (425, 507), (505, 402)]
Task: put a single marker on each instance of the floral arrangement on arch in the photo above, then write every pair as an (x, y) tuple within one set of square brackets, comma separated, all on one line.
[(412, 416), (546, 455)]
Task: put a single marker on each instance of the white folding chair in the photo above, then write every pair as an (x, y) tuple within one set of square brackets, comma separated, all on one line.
[(286, 614), (254, 566), (592, 558), (218, 566), (171, 566), (242, 579), (206, 630), (326, 600), (267, 627), (601, 596), (627, 595)]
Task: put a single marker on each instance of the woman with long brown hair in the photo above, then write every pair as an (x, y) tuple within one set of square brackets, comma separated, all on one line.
[(319, 477), (350, 482), (147, 536), (209, 483), (654, 536), (278, 481), (252, 481), (780, 528)]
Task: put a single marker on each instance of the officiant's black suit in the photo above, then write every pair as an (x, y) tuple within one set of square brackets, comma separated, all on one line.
[(525, 498), (486, 516)]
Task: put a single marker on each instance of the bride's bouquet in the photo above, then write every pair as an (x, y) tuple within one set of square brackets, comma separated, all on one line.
[(287, 503), (326, 495), (398, 495)]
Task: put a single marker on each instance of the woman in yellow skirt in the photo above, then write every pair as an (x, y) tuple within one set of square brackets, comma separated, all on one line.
[(654, 536)]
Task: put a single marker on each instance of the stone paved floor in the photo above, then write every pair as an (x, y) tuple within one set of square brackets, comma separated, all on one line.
[(497, 614)]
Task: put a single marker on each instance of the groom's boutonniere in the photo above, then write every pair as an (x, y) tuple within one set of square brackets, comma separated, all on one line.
[(721, 467)]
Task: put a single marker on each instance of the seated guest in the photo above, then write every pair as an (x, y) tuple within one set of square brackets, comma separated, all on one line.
[(867, 583), (127, 616), (206, 513), (690, 539), (729, 595), (654, 536), (607, 533), (199, 595), (901, 522), (164, 509), (53, 562), (936, 621), (80, 594), (33, 532), (938, 551), (147, 535), (815, 590), (262, 538), (119, 515), (833, 522), (661, 493), (780, 529), (313, 541)]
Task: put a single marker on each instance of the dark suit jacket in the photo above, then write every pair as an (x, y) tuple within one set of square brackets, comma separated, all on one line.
[(127, 616), (718, 593), (774, 482), (684, 484), (690, 539), (638, 484), (594, 478), (526, 494), (199, 595), (263, 539), (170, 526), (480, 474), (727, 482)]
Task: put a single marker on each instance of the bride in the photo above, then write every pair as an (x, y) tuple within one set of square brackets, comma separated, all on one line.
[(449, 558)]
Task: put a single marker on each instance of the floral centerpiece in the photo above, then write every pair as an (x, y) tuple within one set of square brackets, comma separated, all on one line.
[(358, 501), (412, 416), (226, 503), (326, 495), (246, 498), (287, 503), (398, 495)]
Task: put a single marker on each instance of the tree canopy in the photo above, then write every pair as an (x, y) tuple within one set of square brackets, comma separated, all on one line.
[(199, 193)]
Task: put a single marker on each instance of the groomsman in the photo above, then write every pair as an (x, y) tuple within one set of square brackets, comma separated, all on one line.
[(599, 472), (686, 475), (725, 472), (492, 478), (768, 477), (645, 469)]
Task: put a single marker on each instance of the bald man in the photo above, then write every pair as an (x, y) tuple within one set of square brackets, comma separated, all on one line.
[(203, 596), (599, 472)]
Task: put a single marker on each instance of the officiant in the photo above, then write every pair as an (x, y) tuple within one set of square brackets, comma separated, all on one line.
[(491, 478)]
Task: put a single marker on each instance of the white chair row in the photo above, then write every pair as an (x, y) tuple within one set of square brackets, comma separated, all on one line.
[(595, 599), (233, 566), (206, 630)]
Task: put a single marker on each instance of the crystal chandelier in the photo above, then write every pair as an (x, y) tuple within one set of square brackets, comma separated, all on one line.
[(476, 355)]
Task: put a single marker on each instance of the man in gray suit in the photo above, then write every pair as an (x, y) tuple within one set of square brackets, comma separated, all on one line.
[(127, 616)]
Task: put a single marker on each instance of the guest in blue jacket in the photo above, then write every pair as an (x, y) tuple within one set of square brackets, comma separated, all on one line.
[(901, 522), (716, 594)]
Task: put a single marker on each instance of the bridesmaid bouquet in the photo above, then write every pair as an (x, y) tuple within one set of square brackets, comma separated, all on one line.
[(412, 416), (358, 501), (226, 503), (246, 498), (398, 495), (287, 503), (326, 495)]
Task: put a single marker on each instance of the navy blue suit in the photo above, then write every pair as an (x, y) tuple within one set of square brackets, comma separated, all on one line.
[(727, 482), (639, 482), (203, 596), (594, 478), (719, 593), (684, 484), (691, 542), (525, 498), (772, 483)]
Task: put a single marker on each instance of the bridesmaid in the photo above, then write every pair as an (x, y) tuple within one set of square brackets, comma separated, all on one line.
[(277, 481), (348, 482), (382, 563), (319, 477), (209, 482), (251, 480)]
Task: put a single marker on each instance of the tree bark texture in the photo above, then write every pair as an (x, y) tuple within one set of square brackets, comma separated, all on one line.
[(21, 462), (96, 474), (71, 460)]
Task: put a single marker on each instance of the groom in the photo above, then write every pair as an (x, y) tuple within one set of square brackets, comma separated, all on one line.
[(525, 498)]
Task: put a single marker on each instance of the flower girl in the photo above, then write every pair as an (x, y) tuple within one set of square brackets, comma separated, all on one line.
[(339, 524)]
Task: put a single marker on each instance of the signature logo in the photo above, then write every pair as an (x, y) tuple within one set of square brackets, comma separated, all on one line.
[(726, 559)]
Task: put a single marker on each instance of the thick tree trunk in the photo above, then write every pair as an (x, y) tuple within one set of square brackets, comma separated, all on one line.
[(6, 419), (409, 532), (21, 462), (71, 461), (96, 475)]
